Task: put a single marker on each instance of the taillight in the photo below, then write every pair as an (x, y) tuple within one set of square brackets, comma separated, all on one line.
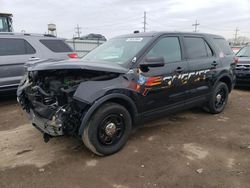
[(236, 60), (73, 55)]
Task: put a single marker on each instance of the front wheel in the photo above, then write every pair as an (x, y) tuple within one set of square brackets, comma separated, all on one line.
[(218, 99), (108, 129)]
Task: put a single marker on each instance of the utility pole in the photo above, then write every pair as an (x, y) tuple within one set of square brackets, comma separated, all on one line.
[(144, 21), (74, 46), (196, 24), (236, 35), (78, 31)]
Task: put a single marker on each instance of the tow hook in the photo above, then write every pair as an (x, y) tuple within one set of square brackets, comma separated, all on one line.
[(46, 137)]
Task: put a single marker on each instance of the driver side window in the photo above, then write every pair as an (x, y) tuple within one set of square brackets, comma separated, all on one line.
[(168, 48)]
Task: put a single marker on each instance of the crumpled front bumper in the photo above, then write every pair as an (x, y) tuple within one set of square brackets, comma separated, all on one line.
[(50, 127)]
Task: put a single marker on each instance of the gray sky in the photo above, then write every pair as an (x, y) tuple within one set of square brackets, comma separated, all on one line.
[(115, 17)]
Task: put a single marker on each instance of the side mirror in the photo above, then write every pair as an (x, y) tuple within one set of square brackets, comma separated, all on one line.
[(153, 62)]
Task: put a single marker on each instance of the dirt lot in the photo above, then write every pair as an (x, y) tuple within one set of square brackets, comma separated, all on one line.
[(189, 149)]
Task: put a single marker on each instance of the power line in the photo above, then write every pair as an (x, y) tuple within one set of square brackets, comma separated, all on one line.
[(196, 24), (161, 25), (123, 22), (78, 31)]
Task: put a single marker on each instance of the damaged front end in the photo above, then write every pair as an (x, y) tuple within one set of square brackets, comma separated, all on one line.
[(48, 97)]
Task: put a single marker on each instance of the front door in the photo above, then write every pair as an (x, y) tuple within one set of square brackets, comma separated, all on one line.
[(162, 87)]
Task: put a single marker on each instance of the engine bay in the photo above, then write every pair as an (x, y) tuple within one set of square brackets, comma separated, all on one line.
[(49, 94)]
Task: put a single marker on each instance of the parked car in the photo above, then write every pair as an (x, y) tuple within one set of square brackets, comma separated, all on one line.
[(243, 66), (17, 49), (127, 80), (92, 36)]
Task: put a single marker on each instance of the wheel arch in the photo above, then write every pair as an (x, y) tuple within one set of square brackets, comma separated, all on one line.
[(227, 80), (121, 99)]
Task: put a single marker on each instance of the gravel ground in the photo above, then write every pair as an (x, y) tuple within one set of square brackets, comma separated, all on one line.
[(189, 149)]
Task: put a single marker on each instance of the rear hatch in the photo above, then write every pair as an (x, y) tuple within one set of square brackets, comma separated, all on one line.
[(60, 48)]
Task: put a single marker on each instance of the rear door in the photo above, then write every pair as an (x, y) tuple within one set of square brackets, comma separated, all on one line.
[(163, 87), (201, 62), (14, 53)]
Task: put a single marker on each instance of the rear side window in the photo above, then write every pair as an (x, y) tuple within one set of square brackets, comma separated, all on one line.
[(223, 45), (168, 48), (10, 46), (197, 48), (56, 45)]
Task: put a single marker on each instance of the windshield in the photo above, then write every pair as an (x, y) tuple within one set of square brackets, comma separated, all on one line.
[(118, 50), (244, 52)]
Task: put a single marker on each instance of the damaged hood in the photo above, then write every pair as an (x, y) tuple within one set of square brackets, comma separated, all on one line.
[(75, 64)]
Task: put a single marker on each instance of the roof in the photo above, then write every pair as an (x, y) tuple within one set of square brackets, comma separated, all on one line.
[(159, 33)]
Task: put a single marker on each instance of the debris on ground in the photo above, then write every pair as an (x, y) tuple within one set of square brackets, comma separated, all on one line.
[(245, 146), (41, 169), (199, 171)]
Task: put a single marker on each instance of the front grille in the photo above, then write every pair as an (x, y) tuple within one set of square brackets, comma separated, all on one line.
[(243, 67)]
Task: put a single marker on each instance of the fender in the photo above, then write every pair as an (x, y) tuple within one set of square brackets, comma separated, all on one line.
[(95, 93), (90, 91), (99, 102), (227, 75)]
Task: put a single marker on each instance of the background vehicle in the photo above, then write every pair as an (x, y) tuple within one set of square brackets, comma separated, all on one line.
[(243, 67), (18, 49), (127, 80), (6, 22), (92, 36)]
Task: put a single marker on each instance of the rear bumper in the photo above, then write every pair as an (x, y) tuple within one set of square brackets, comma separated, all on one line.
[(7, 88)]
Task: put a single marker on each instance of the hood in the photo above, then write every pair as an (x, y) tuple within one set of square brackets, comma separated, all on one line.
[(244, 60), (75, 64)]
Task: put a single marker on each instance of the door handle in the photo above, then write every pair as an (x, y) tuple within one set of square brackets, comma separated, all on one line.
[(179, 70), (34, 58)]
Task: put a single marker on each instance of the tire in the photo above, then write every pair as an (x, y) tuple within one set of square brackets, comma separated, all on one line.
[(108, 129), (218, 99)]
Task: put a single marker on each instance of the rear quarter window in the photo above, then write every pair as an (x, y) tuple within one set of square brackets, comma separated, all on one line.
[(223, 45), (56, 45), (10, 46)]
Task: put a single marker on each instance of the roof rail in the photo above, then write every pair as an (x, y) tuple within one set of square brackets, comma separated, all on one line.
[(26, 34), (5, 14)]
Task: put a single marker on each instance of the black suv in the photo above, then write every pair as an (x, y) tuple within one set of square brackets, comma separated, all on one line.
[(243, 67), (126, 80)]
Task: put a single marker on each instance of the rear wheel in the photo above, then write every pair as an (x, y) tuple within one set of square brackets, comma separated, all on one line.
[(108, 129), (218, 99)]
